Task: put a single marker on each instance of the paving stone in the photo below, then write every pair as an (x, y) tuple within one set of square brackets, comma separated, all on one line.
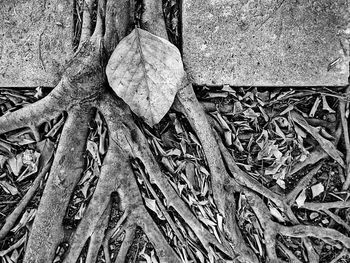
[(35, 41), (267, 42)]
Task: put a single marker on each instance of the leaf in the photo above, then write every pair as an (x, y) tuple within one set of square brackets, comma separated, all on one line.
[(276, 213), (317, 189), (146, 71), (92, 147), (301, 198), (16, 164), (8, 187), (3, 159), (151, 204)]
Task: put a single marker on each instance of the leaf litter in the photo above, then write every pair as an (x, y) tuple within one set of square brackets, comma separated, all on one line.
[(267, 132)]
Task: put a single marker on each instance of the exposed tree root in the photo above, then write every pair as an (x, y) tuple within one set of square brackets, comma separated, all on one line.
[(82, 91), (127, 242), (97, 237), (47, 232), (79, 92), (187, 103)]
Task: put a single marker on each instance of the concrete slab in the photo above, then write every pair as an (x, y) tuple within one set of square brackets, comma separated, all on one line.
[(267, 42), (35, 41)]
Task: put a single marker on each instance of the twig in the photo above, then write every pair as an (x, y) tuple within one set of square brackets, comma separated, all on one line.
[(326, 206)]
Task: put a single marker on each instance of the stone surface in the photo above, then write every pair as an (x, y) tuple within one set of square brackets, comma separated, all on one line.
[(35, 41), (267, 42)]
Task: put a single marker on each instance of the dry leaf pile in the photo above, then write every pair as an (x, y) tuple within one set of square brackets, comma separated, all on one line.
[(288, 141), (284, 139)]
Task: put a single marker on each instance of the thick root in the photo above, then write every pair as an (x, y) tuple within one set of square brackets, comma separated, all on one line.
[(47, 231), (97, 237), (127, 242), (32, 115), (115, 166)]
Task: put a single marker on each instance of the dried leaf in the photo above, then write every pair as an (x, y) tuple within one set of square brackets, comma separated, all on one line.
[(151, 204), (281, 183), (146, 71), (30, 157), (92, 147), (206, 221), (3, 159), (8, 187), (276, 213), (173, 152), (16, 164), (220, 222), (317, 189), (301, 198)]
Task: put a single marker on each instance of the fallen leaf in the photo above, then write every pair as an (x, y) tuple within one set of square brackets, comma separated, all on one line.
[(8, 187), (281, 183), (16, 164), (317, 189), (3, 159), (146, 71), (30, 157), (152, 204), (276, 213), (173, 152), (301, 199), (92, 147)]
